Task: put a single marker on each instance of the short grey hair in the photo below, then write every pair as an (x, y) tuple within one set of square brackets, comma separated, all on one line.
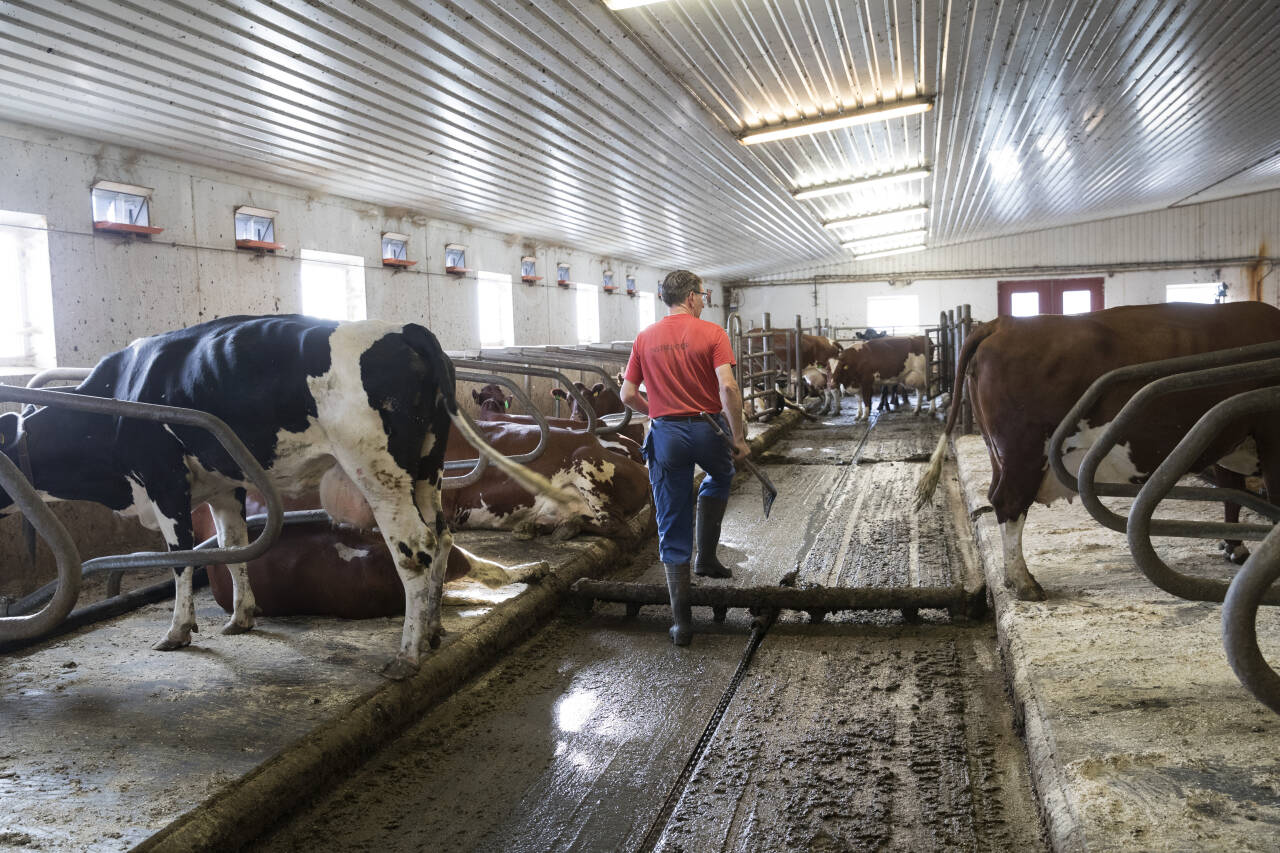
[(677, 286)]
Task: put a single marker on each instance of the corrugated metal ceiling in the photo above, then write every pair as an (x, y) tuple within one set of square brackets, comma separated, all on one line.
[(616, 132)]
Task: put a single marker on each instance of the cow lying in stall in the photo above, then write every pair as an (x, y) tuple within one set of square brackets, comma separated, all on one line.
[(884, 362), (1025, 374), (494, 404), (607, 479), (306, 396), (325, 569), (603, 401)]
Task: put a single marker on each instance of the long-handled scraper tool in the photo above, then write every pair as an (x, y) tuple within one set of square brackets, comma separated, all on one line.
[(770, 492)]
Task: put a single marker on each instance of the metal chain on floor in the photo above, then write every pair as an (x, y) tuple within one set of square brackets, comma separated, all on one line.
[(760, 627)]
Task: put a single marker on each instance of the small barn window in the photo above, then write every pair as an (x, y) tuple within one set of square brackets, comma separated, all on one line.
[(562, 274), (607, 282), (529, 269), (496, 320), (332, 285), (122, 207), (1206, 293), (1026, 304), (587, 301), (896, 314), (455, 259), (256, 228), (395, 250), (631, 285), (1077, 301)]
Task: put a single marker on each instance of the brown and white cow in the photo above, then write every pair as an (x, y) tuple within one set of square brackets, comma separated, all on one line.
[(881, 362), (1025, 374), (494, 405), (607, 485), (603, 401)]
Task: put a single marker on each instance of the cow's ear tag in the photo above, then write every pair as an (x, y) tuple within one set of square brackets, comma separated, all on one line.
[(506, 404)]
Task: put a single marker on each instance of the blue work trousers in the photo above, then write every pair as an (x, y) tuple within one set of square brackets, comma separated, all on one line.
[(671, 450)]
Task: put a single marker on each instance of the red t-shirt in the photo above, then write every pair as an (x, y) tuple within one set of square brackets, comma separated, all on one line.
[(676, 359)]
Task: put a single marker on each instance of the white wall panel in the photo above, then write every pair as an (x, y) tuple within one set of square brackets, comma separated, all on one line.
[(1203, 234)]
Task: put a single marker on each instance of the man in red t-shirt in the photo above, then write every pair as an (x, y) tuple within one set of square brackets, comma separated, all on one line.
[(686, 365)]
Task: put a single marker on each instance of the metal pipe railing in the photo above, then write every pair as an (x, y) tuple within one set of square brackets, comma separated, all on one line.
[(1160, 484), (1250, 588), (70, 568)]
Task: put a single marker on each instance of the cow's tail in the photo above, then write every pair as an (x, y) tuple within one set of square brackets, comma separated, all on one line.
[(426, 345), (928, 482)]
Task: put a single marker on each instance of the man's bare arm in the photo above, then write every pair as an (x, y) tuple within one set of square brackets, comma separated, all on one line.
[(632, 397), (731, 403)]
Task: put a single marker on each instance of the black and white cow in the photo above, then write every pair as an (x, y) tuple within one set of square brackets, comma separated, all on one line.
[(304, 395)]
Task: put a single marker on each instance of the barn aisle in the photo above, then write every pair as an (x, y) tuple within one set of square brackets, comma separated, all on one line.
[(864, 732)]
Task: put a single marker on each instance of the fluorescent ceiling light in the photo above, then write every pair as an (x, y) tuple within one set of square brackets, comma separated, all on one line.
[(873, 243), (863, 218), (628, 4), (899, 251), (880, 112), (859, 183)]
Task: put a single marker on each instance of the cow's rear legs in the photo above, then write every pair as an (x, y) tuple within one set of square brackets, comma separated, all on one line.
[(228, 518), (184, 613), (1016, 576)]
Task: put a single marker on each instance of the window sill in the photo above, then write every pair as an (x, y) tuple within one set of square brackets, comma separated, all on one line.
[(564, 283), (457, 270), (397, 262), (125, 227), (259, 245), (632, 292), (609, 288), (530, 279)]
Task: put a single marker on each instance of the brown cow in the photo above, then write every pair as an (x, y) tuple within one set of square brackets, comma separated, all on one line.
[(323, 569), (494, 405), (1025, 374), (604, 400), (814, 349), (868, 365), (608, 485)]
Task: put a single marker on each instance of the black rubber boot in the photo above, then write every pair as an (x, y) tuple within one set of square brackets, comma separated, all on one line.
[(710, 514), (681, 610)]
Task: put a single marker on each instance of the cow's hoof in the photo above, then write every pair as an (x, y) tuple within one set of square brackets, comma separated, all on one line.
[(1030, 592), (234, 627), (399, 668), (1238, 555), (436, 636), (170, 643)]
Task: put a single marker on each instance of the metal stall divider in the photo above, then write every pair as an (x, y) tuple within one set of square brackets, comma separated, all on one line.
[(1252, 585), (64, 592)]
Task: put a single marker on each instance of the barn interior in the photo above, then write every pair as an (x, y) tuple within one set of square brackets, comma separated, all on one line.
[(525, 175)]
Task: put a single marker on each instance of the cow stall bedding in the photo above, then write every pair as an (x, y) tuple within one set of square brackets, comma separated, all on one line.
[(305, 396)]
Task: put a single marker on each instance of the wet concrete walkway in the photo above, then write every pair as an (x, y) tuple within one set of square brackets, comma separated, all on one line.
[(865, 732)]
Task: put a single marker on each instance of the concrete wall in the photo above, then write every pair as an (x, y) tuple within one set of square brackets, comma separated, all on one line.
[(109, 289)]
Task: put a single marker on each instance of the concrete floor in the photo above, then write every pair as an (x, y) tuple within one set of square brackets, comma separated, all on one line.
[(1139, 734), (861, 733)]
